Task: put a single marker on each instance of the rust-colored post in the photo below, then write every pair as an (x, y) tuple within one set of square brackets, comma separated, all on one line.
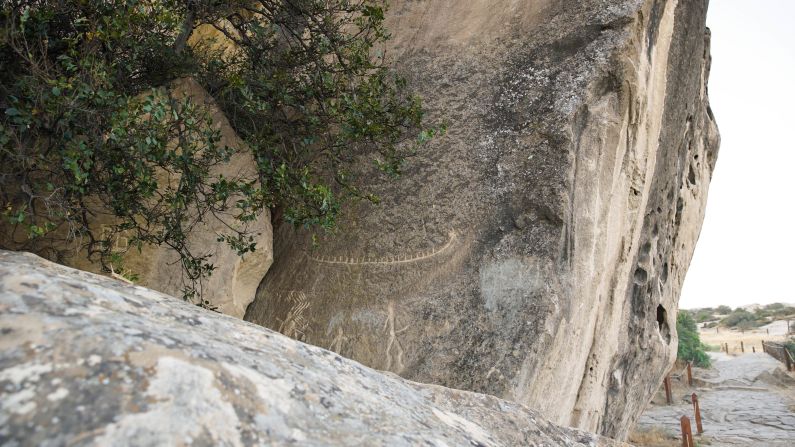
[(742, 347), (697, 412), (690, 373), (667, 382), (687, 434)]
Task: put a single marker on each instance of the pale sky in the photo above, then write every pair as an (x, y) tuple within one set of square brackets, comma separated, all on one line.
[(745, 253)]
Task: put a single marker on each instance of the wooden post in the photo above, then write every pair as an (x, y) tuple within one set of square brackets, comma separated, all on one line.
[(768, 331), (787, 360), (687, 434), (742, 347), (764, 349), (753, 349), (689, 373), (697, 412), (667, 382)]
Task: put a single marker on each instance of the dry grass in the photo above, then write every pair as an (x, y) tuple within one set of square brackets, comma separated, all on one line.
[(653, 437), (751, 338), (660, 437)]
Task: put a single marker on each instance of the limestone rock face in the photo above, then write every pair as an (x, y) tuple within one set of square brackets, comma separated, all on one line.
[(233, 283), (88, 360), (535, 253)]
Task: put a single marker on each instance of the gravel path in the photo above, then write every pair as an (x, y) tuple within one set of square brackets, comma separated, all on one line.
[(745, 402)]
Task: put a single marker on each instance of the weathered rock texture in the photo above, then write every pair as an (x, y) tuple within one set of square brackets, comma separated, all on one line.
[(233, 283), (88, 360), (537, 252)]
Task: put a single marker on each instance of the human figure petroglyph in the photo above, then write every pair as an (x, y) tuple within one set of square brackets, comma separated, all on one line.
[(393, 342), (336, 343)]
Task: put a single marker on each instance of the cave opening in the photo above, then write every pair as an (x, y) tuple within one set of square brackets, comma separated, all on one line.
[(662, 323)]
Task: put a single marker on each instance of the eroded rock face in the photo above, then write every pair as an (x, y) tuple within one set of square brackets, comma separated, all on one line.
[(88, 360), (535, 253)]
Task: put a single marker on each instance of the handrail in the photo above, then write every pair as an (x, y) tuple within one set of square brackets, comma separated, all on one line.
[(779, 352)]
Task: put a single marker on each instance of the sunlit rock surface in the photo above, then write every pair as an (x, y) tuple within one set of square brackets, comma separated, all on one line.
[(536, 252), (88, 360)]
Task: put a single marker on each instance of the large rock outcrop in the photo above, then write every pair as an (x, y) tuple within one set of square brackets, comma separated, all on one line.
[(233, 283), (536, 252), (88, 360)]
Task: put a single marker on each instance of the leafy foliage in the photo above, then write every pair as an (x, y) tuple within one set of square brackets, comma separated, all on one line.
[(741, 319), (690, 347), (90, 128)]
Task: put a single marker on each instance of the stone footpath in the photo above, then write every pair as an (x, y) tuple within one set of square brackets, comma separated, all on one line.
[(745, 401)]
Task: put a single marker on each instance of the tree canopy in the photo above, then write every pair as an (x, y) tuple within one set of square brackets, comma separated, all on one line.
[(690, 347), (89, 126)]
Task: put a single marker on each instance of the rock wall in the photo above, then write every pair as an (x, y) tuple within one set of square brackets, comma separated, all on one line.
[(539, 248), (88, 360), (233, 283)]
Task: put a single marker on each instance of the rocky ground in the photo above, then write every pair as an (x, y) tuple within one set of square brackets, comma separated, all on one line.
[(747, 400)]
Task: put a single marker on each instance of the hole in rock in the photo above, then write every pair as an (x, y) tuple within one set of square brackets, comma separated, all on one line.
[(641, 276), (662, 323), (691, 176), (646, 248)]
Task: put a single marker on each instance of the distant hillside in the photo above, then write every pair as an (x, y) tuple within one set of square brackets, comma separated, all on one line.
[(744, 317)]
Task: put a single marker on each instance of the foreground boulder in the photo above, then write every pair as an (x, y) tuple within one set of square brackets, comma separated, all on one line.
[(88, 360), (536, 252)]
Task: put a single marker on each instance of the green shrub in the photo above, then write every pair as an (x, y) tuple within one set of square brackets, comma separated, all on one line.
[(790, 345), (705, 314), (88, 125), (690, 347), (723, 310), (741, 319)]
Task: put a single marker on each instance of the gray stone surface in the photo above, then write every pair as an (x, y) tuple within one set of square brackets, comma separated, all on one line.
[(536, 252), (88, 360), (748, 401)]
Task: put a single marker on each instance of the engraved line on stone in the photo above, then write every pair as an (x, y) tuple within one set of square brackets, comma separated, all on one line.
[(386, 260)]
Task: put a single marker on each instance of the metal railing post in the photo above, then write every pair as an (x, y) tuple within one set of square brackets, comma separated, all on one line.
[(687, 434), (697, 413), (668, 396), (689, 374)]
